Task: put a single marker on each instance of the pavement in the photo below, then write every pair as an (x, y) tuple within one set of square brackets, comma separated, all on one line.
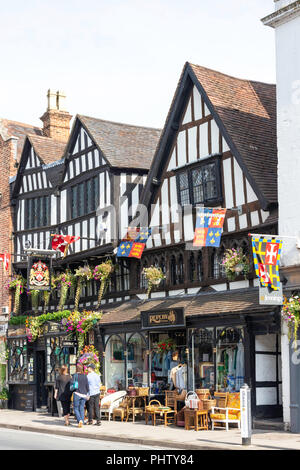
[(171, 437)]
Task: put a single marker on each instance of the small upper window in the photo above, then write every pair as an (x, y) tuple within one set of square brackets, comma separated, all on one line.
[(199, 185), (37, 212), (84, 197)]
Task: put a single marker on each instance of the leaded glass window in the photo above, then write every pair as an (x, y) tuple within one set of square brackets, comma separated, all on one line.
[(84, 197), (199, 185), (37, 212)]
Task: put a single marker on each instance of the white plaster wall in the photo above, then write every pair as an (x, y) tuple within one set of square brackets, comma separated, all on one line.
[(288, 132)]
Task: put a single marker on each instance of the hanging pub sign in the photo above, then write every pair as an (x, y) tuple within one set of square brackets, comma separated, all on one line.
[(39, 267), (172, 317)]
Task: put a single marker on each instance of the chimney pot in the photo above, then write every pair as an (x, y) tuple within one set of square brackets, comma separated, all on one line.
[(52, 100), (56, 120)]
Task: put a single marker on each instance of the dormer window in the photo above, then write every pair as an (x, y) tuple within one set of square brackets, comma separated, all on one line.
[(200, 184)]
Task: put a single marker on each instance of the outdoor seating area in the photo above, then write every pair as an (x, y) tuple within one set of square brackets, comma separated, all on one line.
[(193, 410)]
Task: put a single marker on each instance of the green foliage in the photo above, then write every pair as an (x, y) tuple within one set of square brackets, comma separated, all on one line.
[(51, 316), (4, 394)]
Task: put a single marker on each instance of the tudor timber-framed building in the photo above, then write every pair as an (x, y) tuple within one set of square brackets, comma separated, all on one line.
[(217, 148)]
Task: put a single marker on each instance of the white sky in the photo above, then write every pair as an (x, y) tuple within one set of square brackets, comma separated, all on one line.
[(121, 60)]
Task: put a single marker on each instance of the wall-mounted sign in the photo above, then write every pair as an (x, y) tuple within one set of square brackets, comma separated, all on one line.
[(173, 317), (39, 272), (69, 344), (269, 296), (51, 327)]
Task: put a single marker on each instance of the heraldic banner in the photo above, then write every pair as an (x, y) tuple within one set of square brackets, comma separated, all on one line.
[(209, 226), (266, 257), (133, 244)]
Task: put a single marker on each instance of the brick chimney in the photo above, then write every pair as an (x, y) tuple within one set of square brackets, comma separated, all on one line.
[(56, 119)]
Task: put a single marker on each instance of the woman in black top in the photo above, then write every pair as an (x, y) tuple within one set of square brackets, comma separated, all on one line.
[(81, 395), (63, 393)]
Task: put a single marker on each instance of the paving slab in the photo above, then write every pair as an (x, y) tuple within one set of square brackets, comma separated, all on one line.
[(169, 437)]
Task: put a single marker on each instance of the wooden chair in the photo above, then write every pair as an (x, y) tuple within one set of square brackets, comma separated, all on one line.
[(133, 408), (170, 399), (230, 414), (222, 398), (122, 410)]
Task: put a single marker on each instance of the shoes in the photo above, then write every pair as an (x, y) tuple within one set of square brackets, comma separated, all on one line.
[(98, 423), (80, 424), (89, 422)]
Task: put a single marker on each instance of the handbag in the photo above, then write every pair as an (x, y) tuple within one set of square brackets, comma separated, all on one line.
[(192, 400), (74, 383)]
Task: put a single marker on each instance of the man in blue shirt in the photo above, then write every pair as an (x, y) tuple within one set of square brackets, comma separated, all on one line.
[(94, 393)]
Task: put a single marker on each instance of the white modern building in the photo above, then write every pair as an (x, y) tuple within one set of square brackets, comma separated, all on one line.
[(286, 23)]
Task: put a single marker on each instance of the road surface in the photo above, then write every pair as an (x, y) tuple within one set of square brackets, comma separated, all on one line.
[(11, 439)]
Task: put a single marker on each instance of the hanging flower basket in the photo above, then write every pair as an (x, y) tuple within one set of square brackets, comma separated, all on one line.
[(154, 277), (17, 283), (80, 323), (290, 313), (89, 355), (83, 275), (235, 263), (63, 281), (101, 273)]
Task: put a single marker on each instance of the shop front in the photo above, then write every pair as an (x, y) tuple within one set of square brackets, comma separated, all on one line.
[(33, 367), (184, 344)]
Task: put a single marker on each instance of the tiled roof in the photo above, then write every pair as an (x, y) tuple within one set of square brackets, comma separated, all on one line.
[(247, 110), (10, 129), (47, 149), (123, 145), (229, 302)]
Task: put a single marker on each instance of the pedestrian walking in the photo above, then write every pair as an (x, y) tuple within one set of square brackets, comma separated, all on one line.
[(62, 392), (81, 394), (94, 393)]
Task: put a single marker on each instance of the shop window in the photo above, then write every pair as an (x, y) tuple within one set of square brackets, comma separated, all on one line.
[(57, 355), (202, 358), (115, 363), (20, 362), (168, 368), (229, 359), (137, 361)]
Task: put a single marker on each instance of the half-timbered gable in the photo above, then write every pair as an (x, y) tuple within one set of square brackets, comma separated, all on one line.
[(33, 192), (217, 149), (105, 170)]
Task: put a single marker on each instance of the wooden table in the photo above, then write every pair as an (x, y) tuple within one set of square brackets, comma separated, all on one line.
[(166, 416), (195, 416)]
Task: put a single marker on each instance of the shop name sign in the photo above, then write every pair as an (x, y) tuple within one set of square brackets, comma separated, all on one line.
[(270, 297), (163, 318)]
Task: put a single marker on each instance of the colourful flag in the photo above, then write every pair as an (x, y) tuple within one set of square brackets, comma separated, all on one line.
[(133, 244), (62, 242), (209, 226), (266, 257), (5, 257)]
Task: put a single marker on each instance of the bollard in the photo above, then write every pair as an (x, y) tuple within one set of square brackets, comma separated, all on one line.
[(245, 404)]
